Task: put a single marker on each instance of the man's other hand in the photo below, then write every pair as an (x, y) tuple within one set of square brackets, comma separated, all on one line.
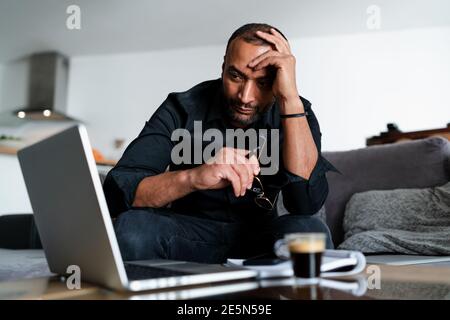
[(228, 166)]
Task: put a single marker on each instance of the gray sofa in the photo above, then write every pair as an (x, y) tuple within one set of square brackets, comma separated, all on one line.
[(414, 164), (410, 164)]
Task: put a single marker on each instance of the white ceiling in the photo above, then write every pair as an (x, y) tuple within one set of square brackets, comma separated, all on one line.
[(113, 26)]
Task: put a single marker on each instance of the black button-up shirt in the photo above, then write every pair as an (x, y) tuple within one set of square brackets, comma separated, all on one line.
[(150, 154)]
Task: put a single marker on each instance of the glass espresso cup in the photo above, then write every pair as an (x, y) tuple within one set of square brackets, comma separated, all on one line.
[(305, 251)]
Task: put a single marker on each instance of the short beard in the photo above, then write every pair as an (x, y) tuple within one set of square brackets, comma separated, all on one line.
[(234, 117)]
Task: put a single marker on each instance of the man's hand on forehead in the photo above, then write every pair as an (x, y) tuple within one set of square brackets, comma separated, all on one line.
[(280, 59), (280, 48), (279, 43)]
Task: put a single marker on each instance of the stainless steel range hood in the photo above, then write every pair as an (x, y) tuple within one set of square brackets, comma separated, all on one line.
[(47, 87)]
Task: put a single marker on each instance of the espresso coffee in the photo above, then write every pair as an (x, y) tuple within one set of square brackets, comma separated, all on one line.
[(306, 255)]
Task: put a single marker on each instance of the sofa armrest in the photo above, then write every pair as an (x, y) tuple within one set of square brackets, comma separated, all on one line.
[(18, 231)]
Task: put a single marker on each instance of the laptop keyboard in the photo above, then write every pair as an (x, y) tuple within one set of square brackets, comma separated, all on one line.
[(137, 272)]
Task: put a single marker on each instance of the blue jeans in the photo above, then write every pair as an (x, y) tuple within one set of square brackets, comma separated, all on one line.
[(163, 234)]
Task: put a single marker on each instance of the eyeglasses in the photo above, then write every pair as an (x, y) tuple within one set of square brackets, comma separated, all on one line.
[(261, 199)]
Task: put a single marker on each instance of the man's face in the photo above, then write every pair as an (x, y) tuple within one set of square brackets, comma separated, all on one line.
[(248, 93)]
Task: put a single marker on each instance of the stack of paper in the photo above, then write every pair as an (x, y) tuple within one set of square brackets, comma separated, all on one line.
[(334, 263)]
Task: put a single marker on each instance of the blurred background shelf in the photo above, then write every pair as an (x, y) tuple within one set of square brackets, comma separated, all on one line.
[(394, 134)]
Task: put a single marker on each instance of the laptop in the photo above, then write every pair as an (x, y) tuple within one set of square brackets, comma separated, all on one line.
[(75, 227)]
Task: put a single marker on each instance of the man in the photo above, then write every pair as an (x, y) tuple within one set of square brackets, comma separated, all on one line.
[(208, 212)]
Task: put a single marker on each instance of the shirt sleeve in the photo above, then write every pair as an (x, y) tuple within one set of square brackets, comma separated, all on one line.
[(301, 196), (147, 155)]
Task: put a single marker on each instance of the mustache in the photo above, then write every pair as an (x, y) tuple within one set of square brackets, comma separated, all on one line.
[(236, 103)]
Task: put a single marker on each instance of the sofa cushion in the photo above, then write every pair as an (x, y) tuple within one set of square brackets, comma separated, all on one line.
[(411, 164), (406, 221)]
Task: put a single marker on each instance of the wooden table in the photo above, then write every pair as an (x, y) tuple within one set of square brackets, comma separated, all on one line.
[(397, 282)]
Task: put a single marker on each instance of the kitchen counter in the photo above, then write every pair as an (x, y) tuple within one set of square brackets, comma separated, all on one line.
[(8, 150), (13, 151), (13, 193)]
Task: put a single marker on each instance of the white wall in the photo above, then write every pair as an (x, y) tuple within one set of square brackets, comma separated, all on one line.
[(357, 84), (1, 84), (13, 88), (116, 94), (13, 193)]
